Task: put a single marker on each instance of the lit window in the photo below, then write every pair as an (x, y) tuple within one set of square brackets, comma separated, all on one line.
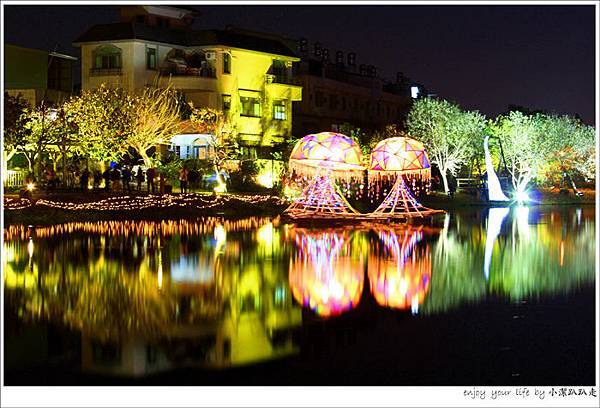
[(226, 63), (414, 92), (250, 106), (226, 102), (107, 57), (279, 112), (150, 58)]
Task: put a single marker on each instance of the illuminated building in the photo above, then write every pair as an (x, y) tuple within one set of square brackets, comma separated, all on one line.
[(246, 75), (338, 90)]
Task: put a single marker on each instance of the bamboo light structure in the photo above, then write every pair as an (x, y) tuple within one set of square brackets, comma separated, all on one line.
[(399, 157), (324, 158)]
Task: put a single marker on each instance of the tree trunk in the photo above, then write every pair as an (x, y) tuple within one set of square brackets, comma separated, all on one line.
[(445, 180), (145, 157), (6, 159)]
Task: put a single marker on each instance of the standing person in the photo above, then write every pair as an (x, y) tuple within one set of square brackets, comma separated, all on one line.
[(50, 176), (150, 175), (84, 180), (106, 177), (97, 179), (183, 179), (126, 176), (115, 176), (139, 176)]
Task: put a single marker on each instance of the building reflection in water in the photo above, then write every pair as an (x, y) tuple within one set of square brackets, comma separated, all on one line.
[(152, 296)]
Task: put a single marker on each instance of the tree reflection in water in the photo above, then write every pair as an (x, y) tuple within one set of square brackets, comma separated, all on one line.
[(227, 287)]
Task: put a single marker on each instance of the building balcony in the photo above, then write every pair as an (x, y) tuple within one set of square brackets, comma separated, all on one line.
[(206, 72), (281, 79), (284, 86), (105, 71)]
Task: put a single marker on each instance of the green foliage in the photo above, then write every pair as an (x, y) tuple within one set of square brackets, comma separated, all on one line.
[(541, 147), (104, 120), (155, 120), (450, 135), (14, 137), (522, 140)]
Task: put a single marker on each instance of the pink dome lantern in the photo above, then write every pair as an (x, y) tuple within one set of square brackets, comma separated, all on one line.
[(399, 157), (322, 158)]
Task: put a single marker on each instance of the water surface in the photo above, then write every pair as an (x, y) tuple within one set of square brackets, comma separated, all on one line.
[(493, 296)]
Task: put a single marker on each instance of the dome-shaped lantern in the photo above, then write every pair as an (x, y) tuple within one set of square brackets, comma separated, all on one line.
[(323, 157), (399, 157), (326, 150)]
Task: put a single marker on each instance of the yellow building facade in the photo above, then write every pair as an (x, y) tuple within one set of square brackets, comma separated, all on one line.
[(248, 77)]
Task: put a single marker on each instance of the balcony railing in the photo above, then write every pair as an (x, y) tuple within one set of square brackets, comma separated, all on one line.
[(188, 71), (105, 71), (281, 79)]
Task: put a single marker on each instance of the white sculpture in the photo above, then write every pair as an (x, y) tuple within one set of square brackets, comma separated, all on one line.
[(495, 192)]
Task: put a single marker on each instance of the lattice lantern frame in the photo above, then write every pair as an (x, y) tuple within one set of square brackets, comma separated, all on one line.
[(323, 158), (394, 159)]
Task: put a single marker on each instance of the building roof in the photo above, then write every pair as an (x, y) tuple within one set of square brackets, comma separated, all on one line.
[(187, 38)]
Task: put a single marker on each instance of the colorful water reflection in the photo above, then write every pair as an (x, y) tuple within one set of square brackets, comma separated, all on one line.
[(232, 291), (399, 269), (323, 275)]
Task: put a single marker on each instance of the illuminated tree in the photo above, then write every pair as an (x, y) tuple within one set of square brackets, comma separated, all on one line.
[(40, 129), (525, 145), (155, 120), (447, 132), (215, 122), (14, 107), (104, 120), (571, 147)]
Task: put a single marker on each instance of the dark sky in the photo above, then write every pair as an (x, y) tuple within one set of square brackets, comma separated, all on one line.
[(483, 57)]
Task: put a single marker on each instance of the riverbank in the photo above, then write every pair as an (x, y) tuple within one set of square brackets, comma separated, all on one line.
[(537, 197), (53, 209), (57, 208)]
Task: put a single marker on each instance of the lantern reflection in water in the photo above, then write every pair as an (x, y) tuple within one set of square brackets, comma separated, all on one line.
[(400, 271), (323, 276)]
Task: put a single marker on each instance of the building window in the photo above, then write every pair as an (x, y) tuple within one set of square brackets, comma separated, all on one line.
[(141, 19), (150, 58), (249, 152), (162, 22), (226, 102), (333, 102), (279, 112), (151, 354), (250, 106), (106, 354), (226, 63), (107, 57), (319, 99)]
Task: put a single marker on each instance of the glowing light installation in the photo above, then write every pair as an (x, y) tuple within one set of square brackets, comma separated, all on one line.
[(495, 192), (324, 157), (399, 156), (403, 279), (322, 275)]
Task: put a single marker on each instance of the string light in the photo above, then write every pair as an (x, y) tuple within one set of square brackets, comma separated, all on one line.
[(121, 203)]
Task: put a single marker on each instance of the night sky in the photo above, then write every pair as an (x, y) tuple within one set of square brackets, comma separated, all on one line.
[(482, 57)]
